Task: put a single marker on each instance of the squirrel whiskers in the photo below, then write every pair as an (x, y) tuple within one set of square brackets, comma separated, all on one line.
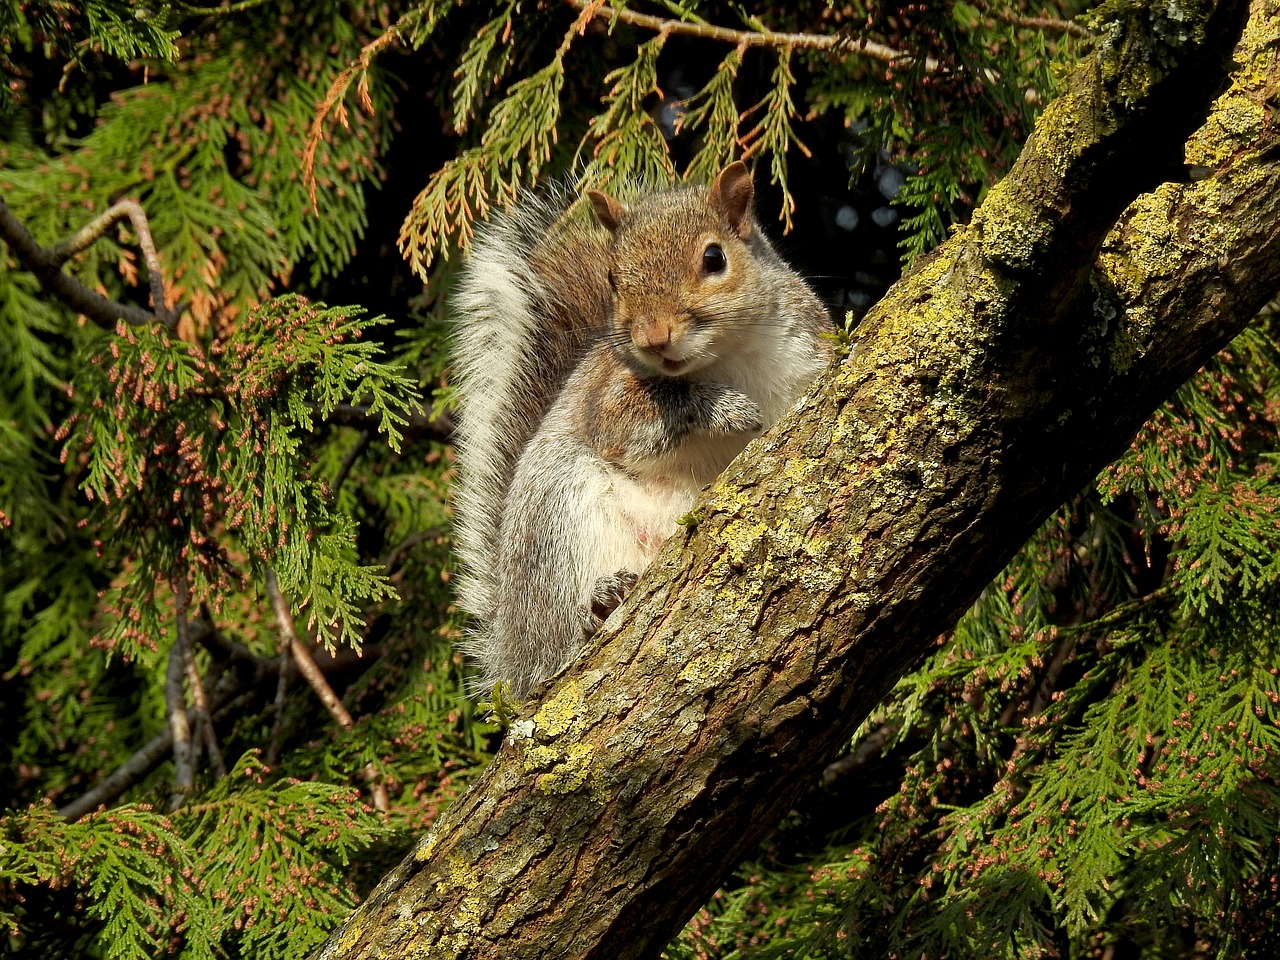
[(608, 369)]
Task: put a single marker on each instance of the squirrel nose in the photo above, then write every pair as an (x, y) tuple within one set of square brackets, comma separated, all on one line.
[(652, 335)]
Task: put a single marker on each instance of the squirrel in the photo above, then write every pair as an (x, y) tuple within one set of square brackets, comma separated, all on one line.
[(608, 368)]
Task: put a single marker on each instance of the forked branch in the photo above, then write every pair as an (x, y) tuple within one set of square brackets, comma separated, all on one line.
[(46, 263)]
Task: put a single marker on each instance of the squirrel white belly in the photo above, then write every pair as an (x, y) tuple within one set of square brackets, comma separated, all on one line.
[(607, 370)]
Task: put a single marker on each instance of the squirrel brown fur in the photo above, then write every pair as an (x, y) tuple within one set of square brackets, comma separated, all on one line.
[(608, 369)]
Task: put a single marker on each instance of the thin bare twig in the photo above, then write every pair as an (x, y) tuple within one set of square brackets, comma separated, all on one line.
[(743, 38), (87, 235), (302, 657), (46, 264), (196, 10), (1050, 24), (392, 557), (868, 748), (422, 423), (184, 777), (276, 741), (204, 719), (147, 758), (349, 461), (221, 647), (204, 632), (306, 665)]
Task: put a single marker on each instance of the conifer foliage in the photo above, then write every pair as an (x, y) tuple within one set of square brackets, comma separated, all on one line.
[(216, 489)]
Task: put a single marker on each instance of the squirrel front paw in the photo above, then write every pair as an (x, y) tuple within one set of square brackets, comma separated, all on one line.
[(732, 411), (605, 596)]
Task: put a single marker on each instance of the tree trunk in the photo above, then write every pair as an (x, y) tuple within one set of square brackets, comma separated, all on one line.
[(989, 385)]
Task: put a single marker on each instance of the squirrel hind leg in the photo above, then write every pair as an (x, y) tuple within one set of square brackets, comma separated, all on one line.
[(606, 595)]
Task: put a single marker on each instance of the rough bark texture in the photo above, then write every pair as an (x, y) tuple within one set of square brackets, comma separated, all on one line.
[(989, 385)]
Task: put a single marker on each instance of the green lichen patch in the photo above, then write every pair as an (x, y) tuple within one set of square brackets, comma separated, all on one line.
[(570, 768), (423, 849), (562, 714), (550, 746), (1013, 236), (1236, 121), (708, 669)]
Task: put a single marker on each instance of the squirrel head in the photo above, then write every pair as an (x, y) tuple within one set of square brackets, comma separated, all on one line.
[(682, 270)]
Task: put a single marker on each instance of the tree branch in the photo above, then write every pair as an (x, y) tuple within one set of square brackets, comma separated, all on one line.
[(47, 264), (306, 665), (149, 756), (227, 8), (349, 461), (426, 422), (204, 718), (275, 742), (868, 748), (228, 699), (184, 777), (1052, 24), (742, 38)]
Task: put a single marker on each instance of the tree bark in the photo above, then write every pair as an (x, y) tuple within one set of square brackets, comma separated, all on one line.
[(990, 384)]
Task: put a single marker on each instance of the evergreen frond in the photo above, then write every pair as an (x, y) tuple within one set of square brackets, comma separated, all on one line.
[(774, 133), (483, 64), (628, 146), (714, 111)]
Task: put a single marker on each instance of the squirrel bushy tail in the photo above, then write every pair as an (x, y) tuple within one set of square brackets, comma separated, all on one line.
[(520, 327)]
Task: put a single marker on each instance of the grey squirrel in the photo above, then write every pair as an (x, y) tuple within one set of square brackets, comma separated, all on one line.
[(608, 368)]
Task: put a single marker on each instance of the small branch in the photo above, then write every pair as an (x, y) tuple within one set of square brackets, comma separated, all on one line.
[(306, 665), (195, 10), (349, 461), (1038, 693), (204, 632), (1124, 611), (204, 719), (404, 546), (276, 740), (302, 657), (868, 748), (184, 778), (333, 99), (89, 234), (146, 759), (422, 423), (158, 748), (744, 38), (47, 264), (1049, 24)]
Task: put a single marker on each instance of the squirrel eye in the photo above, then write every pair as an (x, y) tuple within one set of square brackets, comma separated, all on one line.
[(713, 259)]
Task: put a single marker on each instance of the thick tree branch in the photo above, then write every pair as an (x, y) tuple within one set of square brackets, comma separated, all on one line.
[(988, 386)]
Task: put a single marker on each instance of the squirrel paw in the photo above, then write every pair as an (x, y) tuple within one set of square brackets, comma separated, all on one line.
[(734, 412), (608, 593)]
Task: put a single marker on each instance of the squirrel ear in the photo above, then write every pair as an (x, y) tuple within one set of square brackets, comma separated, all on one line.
[(731, 194), (609, 211)]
